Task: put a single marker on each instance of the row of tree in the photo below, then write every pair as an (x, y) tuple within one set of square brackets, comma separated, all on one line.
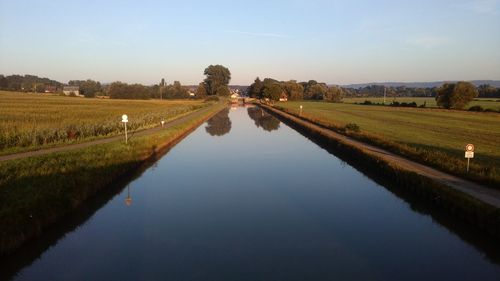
[(292, 90), (26, 83), (484, 91)]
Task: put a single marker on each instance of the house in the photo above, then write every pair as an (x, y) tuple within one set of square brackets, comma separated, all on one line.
[(75, 90), (50, 89)]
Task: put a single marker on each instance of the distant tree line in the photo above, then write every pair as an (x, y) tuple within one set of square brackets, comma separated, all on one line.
[(484, 91), (292, 90), (26, 83)]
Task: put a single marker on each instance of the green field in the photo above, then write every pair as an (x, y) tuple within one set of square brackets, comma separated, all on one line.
[(433, 136), (429, 102), (29, 121)]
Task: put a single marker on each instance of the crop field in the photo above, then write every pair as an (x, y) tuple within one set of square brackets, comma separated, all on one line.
[(29, 121), (432, 136), (485, 103)]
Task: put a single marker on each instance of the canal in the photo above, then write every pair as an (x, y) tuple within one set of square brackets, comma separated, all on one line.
[(246, 197)]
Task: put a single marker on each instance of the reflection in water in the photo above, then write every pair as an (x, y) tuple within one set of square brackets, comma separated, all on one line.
[(128, 200), (220, 124), (263, 119)]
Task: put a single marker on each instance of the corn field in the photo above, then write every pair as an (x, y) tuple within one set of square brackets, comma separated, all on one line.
[(29, 120)]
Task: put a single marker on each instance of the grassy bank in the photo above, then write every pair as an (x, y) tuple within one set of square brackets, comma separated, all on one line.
[(486, 103), (33, 121), (432, 137), (38, 191), (455, 203)]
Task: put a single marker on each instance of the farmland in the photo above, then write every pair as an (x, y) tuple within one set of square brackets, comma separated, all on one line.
[(433, 136), (31, 121), (430, 102)]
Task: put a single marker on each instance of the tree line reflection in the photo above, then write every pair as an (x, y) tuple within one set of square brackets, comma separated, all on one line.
[(263, 119), (219, 124)]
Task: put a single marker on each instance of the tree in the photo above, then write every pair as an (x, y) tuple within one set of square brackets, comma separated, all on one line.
[(223, 91), (334, 94), (293, 90), (201, 92), (217, 76), (316, 91), (272, 91), (176, 91), (255, 90), (455, 95), (90, 88), (119, 90), (487, 91)]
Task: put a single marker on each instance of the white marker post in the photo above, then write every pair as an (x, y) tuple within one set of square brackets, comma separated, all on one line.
[(469, 153), (162, 123), (300, 110), (125, 121)]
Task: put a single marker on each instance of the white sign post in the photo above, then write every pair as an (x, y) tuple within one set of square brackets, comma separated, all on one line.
[(125, 121), (300, 110), (469, 153)]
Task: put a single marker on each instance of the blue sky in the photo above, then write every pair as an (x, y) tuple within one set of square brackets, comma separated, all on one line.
[(332, 41)]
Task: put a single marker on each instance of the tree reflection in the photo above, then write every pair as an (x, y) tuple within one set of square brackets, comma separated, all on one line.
[(220, 124), (263, 119)]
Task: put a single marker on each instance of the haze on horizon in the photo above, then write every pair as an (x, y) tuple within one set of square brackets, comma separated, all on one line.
[(338, 42)]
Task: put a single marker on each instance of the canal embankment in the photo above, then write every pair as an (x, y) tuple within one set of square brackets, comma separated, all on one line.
[(38, 190), (475, 204)]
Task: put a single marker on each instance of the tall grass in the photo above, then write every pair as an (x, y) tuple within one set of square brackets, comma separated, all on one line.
[(31, 121)]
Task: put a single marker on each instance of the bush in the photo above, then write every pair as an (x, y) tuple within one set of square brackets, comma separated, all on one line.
[(352, 127), (476, 108), (490, 110)]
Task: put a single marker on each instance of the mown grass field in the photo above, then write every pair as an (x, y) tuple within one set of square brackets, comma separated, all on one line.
[(30, 121), (490, 103), (433, 136), (38, 191)]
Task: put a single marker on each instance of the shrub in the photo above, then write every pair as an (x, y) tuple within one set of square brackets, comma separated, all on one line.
[(476, 108), (352, 127)]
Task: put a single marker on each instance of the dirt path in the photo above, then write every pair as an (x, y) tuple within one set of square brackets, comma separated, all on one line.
[(145, 132), (482, 193)]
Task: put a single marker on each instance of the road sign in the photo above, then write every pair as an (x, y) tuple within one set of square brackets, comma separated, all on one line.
[(469, 153), (124, 118)]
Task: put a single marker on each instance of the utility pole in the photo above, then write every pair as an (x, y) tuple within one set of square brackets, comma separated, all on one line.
[(161, 88), (385, 90)]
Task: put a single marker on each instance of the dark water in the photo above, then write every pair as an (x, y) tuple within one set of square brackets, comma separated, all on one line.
[(245, 197)]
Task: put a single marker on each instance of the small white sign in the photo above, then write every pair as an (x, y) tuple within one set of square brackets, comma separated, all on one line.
[(469, 154), (469, 147), (124, 118)]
